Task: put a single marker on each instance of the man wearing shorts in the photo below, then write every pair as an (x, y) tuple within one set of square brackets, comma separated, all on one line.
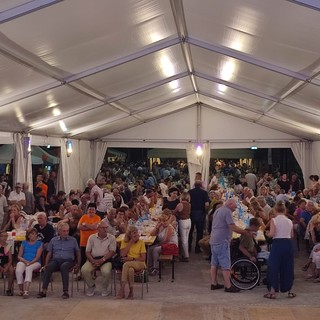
[(222, 227)]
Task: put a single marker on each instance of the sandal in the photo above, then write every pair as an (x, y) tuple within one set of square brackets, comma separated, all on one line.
[(269, 296), (291, 295)]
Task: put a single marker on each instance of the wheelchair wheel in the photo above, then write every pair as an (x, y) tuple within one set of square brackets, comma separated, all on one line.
[(245, 274)]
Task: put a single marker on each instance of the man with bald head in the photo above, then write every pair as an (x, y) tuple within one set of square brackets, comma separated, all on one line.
[(100, 248), (222, 227)]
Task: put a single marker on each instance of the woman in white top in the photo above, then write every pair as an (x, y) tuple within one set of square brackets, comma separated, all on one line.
[(280, 264), (165, 233)]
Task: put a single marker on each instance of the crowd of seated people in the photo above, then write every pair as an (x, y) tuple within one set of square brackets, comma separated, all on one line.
[(122, 194)]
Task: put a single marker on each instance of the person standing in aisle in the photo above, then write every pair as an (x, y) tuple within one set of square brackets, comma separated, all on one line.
[(222, 227), (281, 260), (199, 201)]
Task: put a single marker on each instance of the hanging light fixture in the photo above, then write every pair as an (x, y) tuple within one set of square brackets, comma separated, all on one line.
[(69, 147), (199, 150)]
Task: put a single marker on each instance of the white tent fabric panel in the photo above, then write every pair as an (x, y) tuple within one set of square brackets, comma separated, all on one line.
[(264, 81), (99, 150), (220, 126), (88, 32), (301, 151), (128, 58), (181, 93), (243, 24), (226, 108), (74, 171), (22, 161), (172, 127), (236, 99), (133, 75)]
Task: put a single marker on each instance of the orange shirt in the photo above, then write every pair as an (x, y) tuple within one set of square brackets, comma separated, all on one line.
[(85, 234), (44, 188)]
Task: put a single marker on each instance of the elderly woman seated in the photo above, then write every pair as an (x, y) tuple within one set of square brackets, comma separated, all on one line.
[(133, 253), (29, 260), (16, 218), (165, 233)]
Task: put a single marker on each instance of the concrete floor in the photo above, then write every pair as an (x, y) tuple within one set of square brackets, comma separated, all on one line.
[(188, 297)]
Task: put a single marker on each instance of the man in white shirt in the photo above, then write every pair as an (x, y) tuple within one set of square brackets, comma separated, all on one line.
[(101, 247), (17, 196)]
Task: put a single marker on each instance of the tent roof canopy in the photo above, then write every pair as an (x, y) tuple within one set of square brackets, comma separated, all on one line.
[(130, 70)]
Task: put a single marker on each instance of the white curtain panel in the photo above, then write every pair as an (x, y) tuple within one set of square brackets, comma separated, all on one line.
[(85, 163), (22, 160), (74, 171), (99, 149), (198, 163), (301, 151)]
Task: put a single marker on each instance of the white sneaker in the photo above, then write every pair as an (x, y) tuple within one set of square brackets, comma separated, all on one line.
[(90, 291), (104, 293)]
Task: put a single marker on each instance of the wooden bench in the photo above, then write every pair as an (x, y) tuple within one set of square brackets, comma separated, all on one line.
[(166, 258)]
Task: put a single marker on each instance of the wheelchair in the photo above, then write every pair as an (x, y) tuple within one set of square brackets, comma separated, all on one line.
[(244, 273)]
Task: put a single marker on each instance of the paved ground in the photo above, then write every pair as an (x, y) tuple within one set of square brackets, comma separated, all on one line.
[(188, 297)]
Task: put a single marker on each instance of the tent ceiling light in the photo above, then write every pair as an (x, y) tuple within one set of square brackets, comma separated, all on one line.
[(199, 151), (69, 147)]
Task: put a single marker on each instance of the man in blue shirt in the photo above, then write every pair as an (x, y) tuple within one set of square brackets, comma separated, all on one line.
[(63, 253), (222, 227)]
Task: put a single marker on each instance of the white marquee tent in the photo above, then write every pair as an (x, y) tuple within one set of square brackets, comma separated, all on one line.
[(159, 73)]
